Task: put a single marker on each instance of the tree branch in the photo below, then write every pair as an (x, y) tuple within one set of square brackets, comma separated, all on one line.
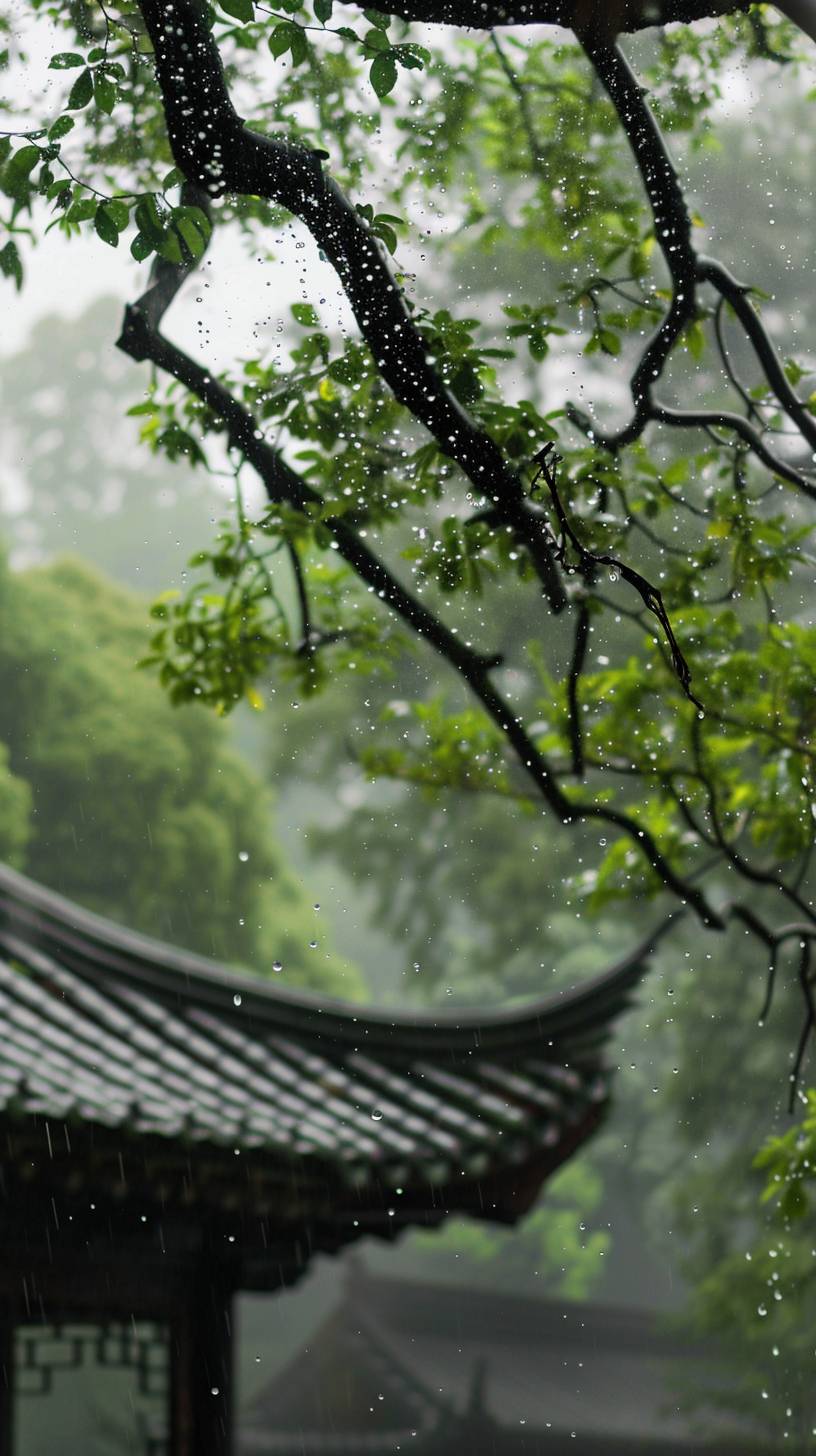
[(673, 230), (142, 340), (738, 295), (671, 220), (575, 14), (216, 151)]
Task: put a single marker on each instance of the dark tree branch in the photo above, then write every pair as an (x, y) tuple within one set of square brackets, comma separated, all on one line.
[(700, 419), (215, 150), (674, 235), (574, 14), (142, 340), (652, 599), (752, 411), (218, 153), (806, 986), (579, 652), (671, 221), (738, 295), (769, 878), (537, 152)]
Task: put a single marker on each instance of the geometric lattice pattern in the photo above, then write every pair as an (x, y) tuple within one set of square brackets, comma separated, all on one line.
[(43, 1351)]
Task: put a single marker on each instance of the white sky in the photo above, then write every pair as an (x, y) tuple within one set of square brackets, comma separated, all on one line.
[(239, 299)]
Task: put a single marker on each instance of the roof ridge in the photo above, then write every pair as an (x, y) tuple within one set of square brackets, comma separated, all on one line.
[(96, 945)]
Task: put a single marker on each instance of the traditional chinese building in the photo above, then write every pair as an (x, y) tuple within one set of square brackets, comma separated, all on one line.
[(398, 1365), (172, 1132)]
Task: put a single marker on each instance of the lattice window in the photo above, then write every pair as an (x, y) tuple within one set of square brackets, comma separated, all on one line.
[(133, 1411)]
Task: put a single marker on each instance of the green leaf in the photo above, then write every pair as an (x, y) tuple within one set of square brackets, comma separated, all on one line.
[(105, 226), (61, 128), (376, 40), (141, 247), (695, 339), (677, 473), (182, 240), (389, 237), (193, 228), (412, 57), (105, 92), (239, 9), (65, 61), (118, 211), (82, 210), (383, 73), (10, 265), (299, 45), (323, 10), (376, 17), (304, 314), (81, 91), (150, 219), (280, 41), (18, 172), (169, 247), (609, 342)]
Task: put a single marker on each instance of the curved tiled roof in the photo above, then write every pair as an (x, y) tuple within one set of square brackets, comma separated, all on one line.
[(154, 1048)]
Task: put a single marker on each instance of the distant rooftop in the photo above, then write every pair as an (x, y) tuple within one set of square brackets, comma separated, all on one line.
[(429, 1368)]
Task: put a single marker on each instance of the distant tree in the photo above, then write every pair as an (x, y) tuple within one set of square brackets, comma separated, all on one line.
[(144, 814), (15, 813), (70, 480)]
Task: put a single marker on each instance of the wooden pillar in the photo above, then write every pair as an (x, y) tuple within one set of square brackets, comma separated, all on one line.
[(6, 1383), (201, 1368)]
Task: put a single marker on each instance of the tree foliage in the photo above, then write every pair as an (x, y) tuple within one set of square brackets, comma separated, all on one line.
[(135, 811)]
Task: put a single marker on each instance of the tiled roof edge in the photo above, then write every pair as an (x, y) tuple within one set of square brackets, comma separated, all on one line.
[(98, 947)]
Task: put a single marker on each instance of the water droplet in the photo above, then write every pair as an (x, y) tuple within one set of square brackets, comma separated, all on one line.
[(312, 945), (376, 1115), (761, 1311), (243, 856), (236, 1000)]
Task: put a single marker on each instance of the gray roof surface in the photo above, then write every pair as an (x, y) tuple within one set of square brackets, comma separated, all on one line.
[(398, 1358), (111, 1029)]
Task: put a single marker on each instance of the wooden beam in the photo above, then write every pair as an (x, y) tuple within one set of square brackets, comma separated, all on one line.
[(6, 1382), (201, 1371)]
